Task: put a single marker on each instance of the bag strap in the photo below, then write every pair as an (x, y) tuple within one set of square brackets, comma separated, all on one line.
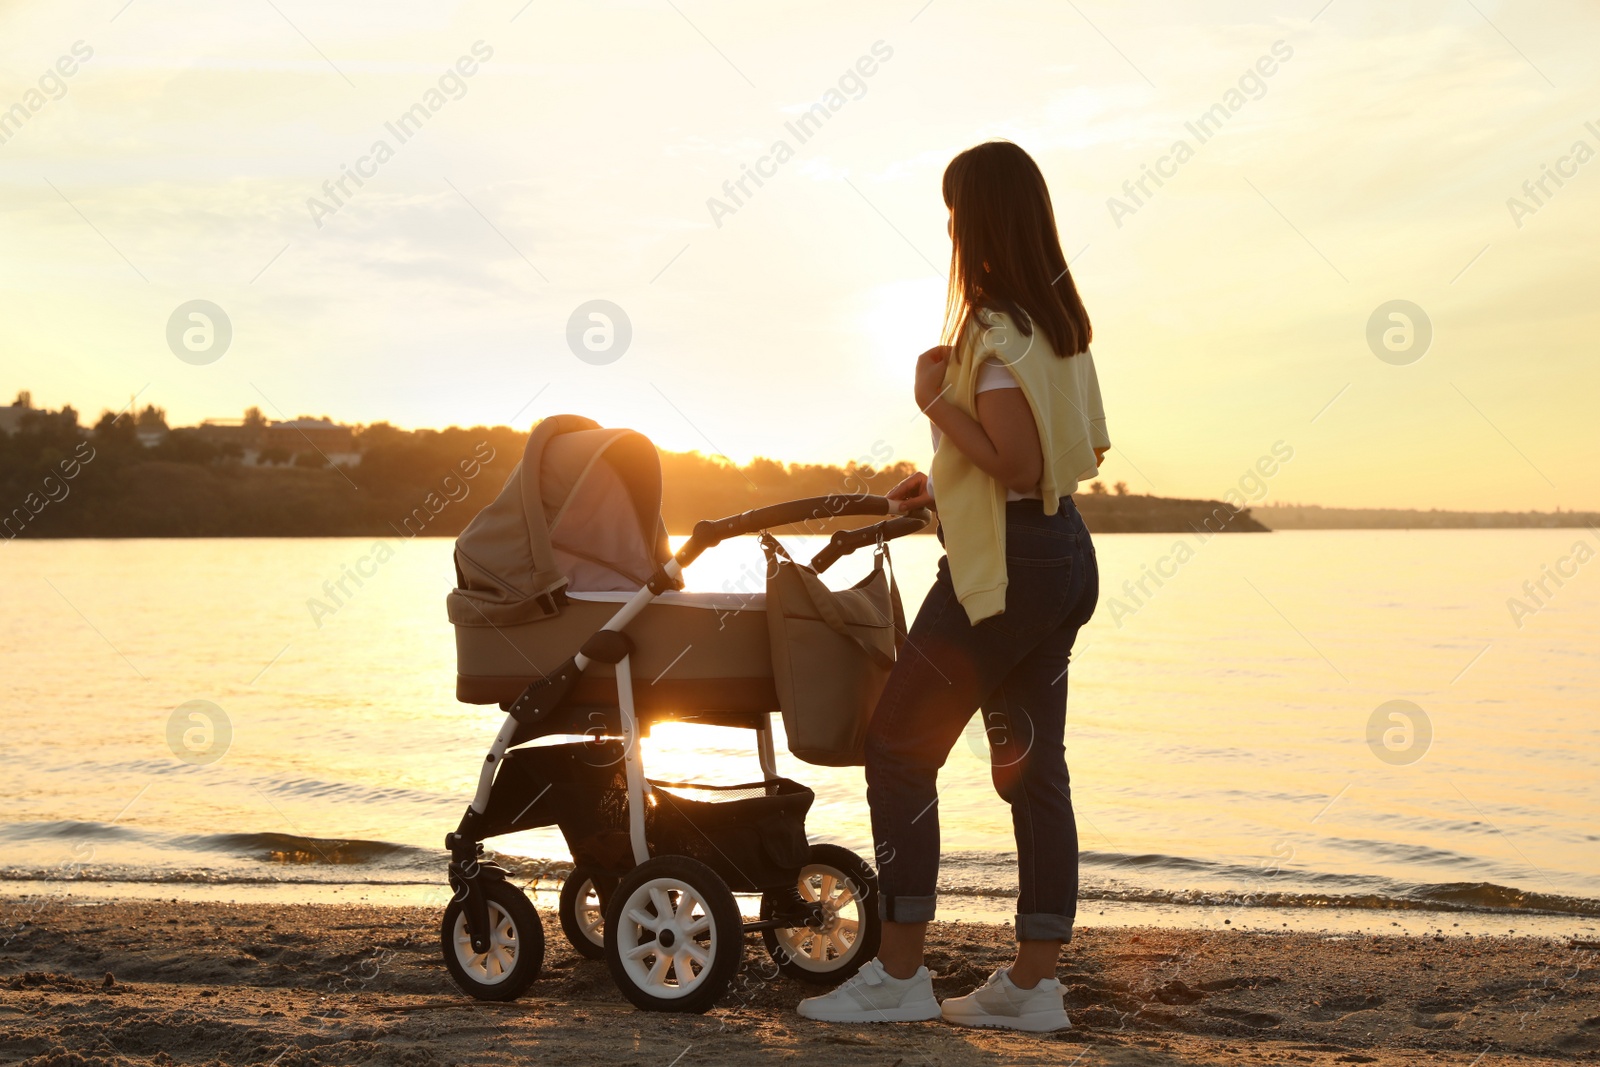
[(899, 620), (826, 608)]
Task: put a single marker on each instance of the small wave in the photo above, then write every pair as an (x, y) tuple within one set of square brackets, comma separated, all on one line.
[(312, 862), (1450, 897), (1402, 852), (294, 849), (1457, 897), (1160, 861), (1236, 885), (66, 830), (1486, 897), (203, 876), (291, 859), (138, 767), (365, 794)]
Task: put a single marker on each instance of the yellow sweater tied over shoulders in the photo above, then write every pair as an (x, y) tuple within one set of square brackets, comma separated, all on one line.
[(1064, 396)]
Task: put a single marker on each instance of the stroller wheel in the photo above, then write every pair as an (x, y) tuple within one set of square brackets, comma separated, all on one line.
[(583, 912), (516, 945), (832, 948), (674, 937)]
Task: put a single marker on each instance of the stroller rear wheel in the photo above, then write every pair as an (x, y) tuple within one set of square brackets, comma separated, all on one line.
[(583, 912), (843, 935), (516, 945), (673, 935)]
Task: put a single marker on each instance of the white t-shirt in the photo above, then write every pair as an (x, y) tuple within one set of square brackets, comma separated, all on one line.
[(992, 375)]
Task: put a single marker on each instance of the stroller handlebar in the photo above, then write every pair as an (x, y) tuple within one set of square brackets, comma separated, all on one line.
[(711, 532), (845, 542)]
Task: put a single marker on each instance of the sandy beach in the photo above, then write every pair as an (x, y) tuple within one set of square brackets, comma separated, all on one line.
[(301, 984)]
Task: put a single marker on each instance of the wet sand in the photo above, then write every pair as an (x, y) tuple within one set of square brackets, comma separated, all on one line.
[(155, 982)]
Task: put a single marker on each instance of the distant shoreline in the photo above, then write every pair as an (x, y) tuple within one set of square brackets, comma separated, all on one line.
[(315, 478), (166, 499), (1316, 517)]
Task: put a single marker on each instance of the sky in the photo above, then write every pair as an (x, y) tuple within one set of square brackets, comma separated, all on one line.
[(1356, 155)]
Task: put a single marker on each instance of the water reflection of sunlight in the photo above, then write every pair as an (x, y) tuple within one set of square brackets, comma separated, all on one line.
[(688, 752)]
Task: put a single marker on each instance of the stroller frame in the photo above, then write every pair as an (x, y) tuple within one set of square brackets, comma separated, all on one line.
[(485, 904)]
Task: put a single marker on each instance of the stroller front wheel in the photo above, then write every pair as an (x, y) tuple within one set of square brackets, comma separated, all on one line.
[(844, 933), (516, 945), (673, 935)]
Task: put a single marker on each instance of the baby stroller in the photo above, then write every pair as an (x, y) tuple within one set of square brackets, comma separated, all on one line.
[(568, 614)]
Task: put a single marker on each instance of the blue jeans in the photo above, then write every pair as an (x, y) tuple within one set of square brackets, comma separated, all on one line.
[(1013, 666)]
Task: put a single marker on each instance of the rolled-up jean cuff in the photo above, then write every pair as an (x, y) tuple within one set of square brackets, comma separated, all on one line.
[(906, 909), (1044, 927)]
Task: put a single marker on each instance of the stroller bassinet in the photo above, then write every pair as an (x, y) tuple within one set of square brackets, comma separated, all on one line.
[(576, 532), (568, 613)]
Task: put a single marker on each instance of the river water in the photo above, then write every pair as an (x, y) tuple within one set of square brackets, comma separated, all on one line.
[(1303, 722)]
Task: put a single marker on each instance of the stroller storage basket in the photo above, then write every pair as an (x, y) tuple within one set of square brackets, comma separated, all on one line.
[(753, 835)]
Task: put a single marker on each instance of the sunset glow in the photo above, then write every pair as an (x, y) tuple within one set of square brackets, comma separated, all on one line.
[(1232, 230)]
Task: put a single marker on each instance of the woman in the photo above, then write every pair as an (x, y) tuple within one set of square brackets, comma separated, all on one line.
[(1017, 422)]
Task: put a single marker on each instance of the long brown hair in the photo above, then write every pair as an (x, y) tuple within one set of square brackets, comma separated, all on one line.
[(1006, 254)]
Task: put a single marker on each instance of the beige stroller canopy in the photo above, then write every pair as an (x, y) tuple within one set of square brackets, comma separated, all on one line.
[(581, 511)]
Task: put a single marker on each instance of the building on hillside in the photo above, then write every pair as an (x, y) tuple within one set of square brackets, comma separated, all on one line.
[(221, 432), (334, 441), (14, 416), (302, 434), (285, 442)]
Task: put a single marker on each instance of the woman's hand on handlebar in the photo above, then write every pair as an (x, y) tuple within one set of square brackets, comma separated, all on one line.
[(913, 492)]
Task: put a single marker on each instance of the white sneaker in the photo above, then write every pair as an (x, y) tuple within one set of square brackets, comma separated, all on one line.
[(1000, 1003), (872, 995)]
